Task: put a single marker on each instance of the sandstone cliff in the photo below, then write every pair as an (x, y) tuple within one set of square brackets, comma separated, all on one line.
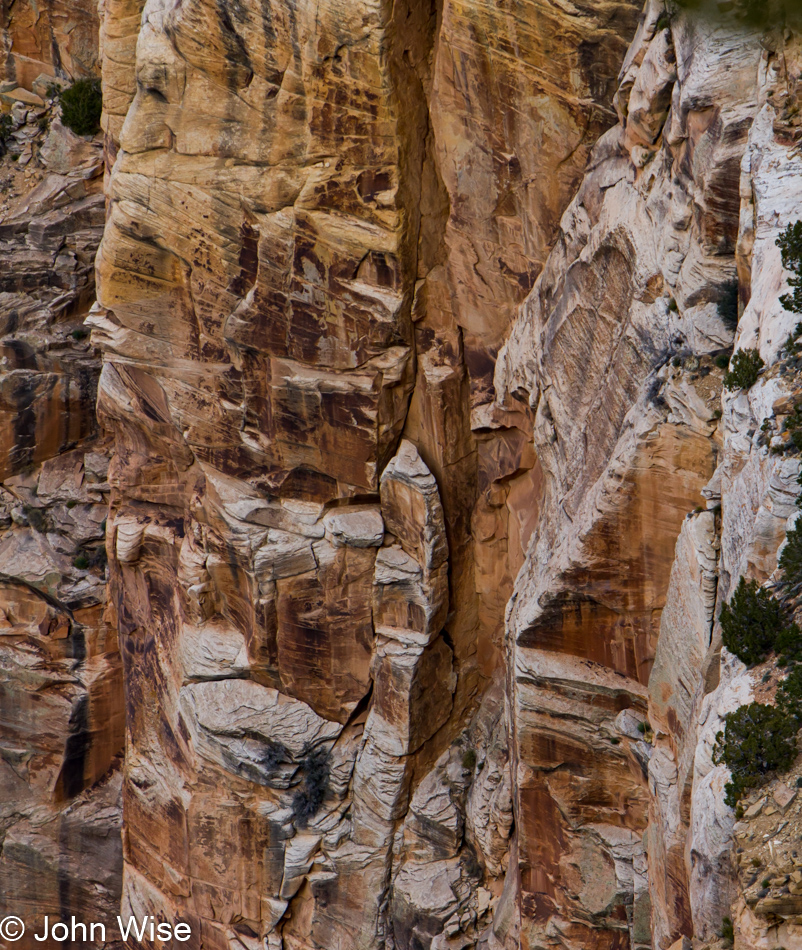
[(423, 493)]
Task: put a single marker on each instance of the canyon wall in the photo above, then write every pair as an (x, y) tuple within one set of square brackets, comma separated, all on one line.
[(412, 465), (659, 493), (310, 211), (62, 715)]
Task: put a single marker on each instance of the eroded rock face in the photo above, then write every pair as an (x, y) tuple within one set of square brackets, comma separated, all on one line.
[(57, 38), (62, 716), (669, 208), (296, 350), (346, 727)]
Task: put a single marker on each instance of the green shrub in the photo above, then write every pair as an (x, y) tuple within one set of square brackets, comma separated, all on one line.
[(728, 306), (307, 800), (744, 368), (793, 426), (789, 694), (81, 106), (722, 361), (790, 562), (790, 245), (762, 14), (36, 518), (751, 622), (663, 22), (81, 562), (757, 740), (727, 930), (792, 345), (273, 755), (789, 644), (6, 123), (469, 760), (80, 333)]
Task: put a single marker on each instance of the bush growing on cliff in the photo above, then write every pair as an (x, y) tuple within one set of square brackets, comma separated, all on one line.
[(81, 106), (792, 345), (763, 14), (728, 305), (790, 245), (789, 694), (793, 426), (6, 124), (757, 740), (790, 562), (751, 622), (273, 755), (744, 368), (307, 800)]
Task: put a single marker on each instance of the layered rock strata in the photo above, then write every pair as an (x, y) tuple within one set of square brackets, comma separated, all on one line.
[(323, 226), (55, 39), (615, 608), (286, 291), (61, 692)]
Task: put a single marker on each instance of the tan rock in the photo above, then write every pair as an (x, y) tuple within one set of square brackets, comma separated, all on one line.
[(783, 797), (322, 221), (59, 36), (62, 722), (754, 810)]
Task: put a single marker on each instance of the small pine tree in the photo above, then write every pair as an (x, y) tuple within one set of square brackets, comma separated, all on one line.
[(744, 369), (793, 426), (751, 622), (81, 106), (307, 800), (790, 245), (791, 345), (728, 305), (757, 740), (789, 694), (790, 562), (6, 125)]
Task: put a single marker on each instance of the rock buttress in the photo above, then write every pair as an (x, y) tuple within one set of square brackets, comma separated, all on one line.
[(286, 291)]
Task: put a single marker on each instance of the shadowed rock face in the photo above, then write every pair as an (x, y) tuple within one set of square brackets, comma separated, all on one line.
[(62, 717)]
